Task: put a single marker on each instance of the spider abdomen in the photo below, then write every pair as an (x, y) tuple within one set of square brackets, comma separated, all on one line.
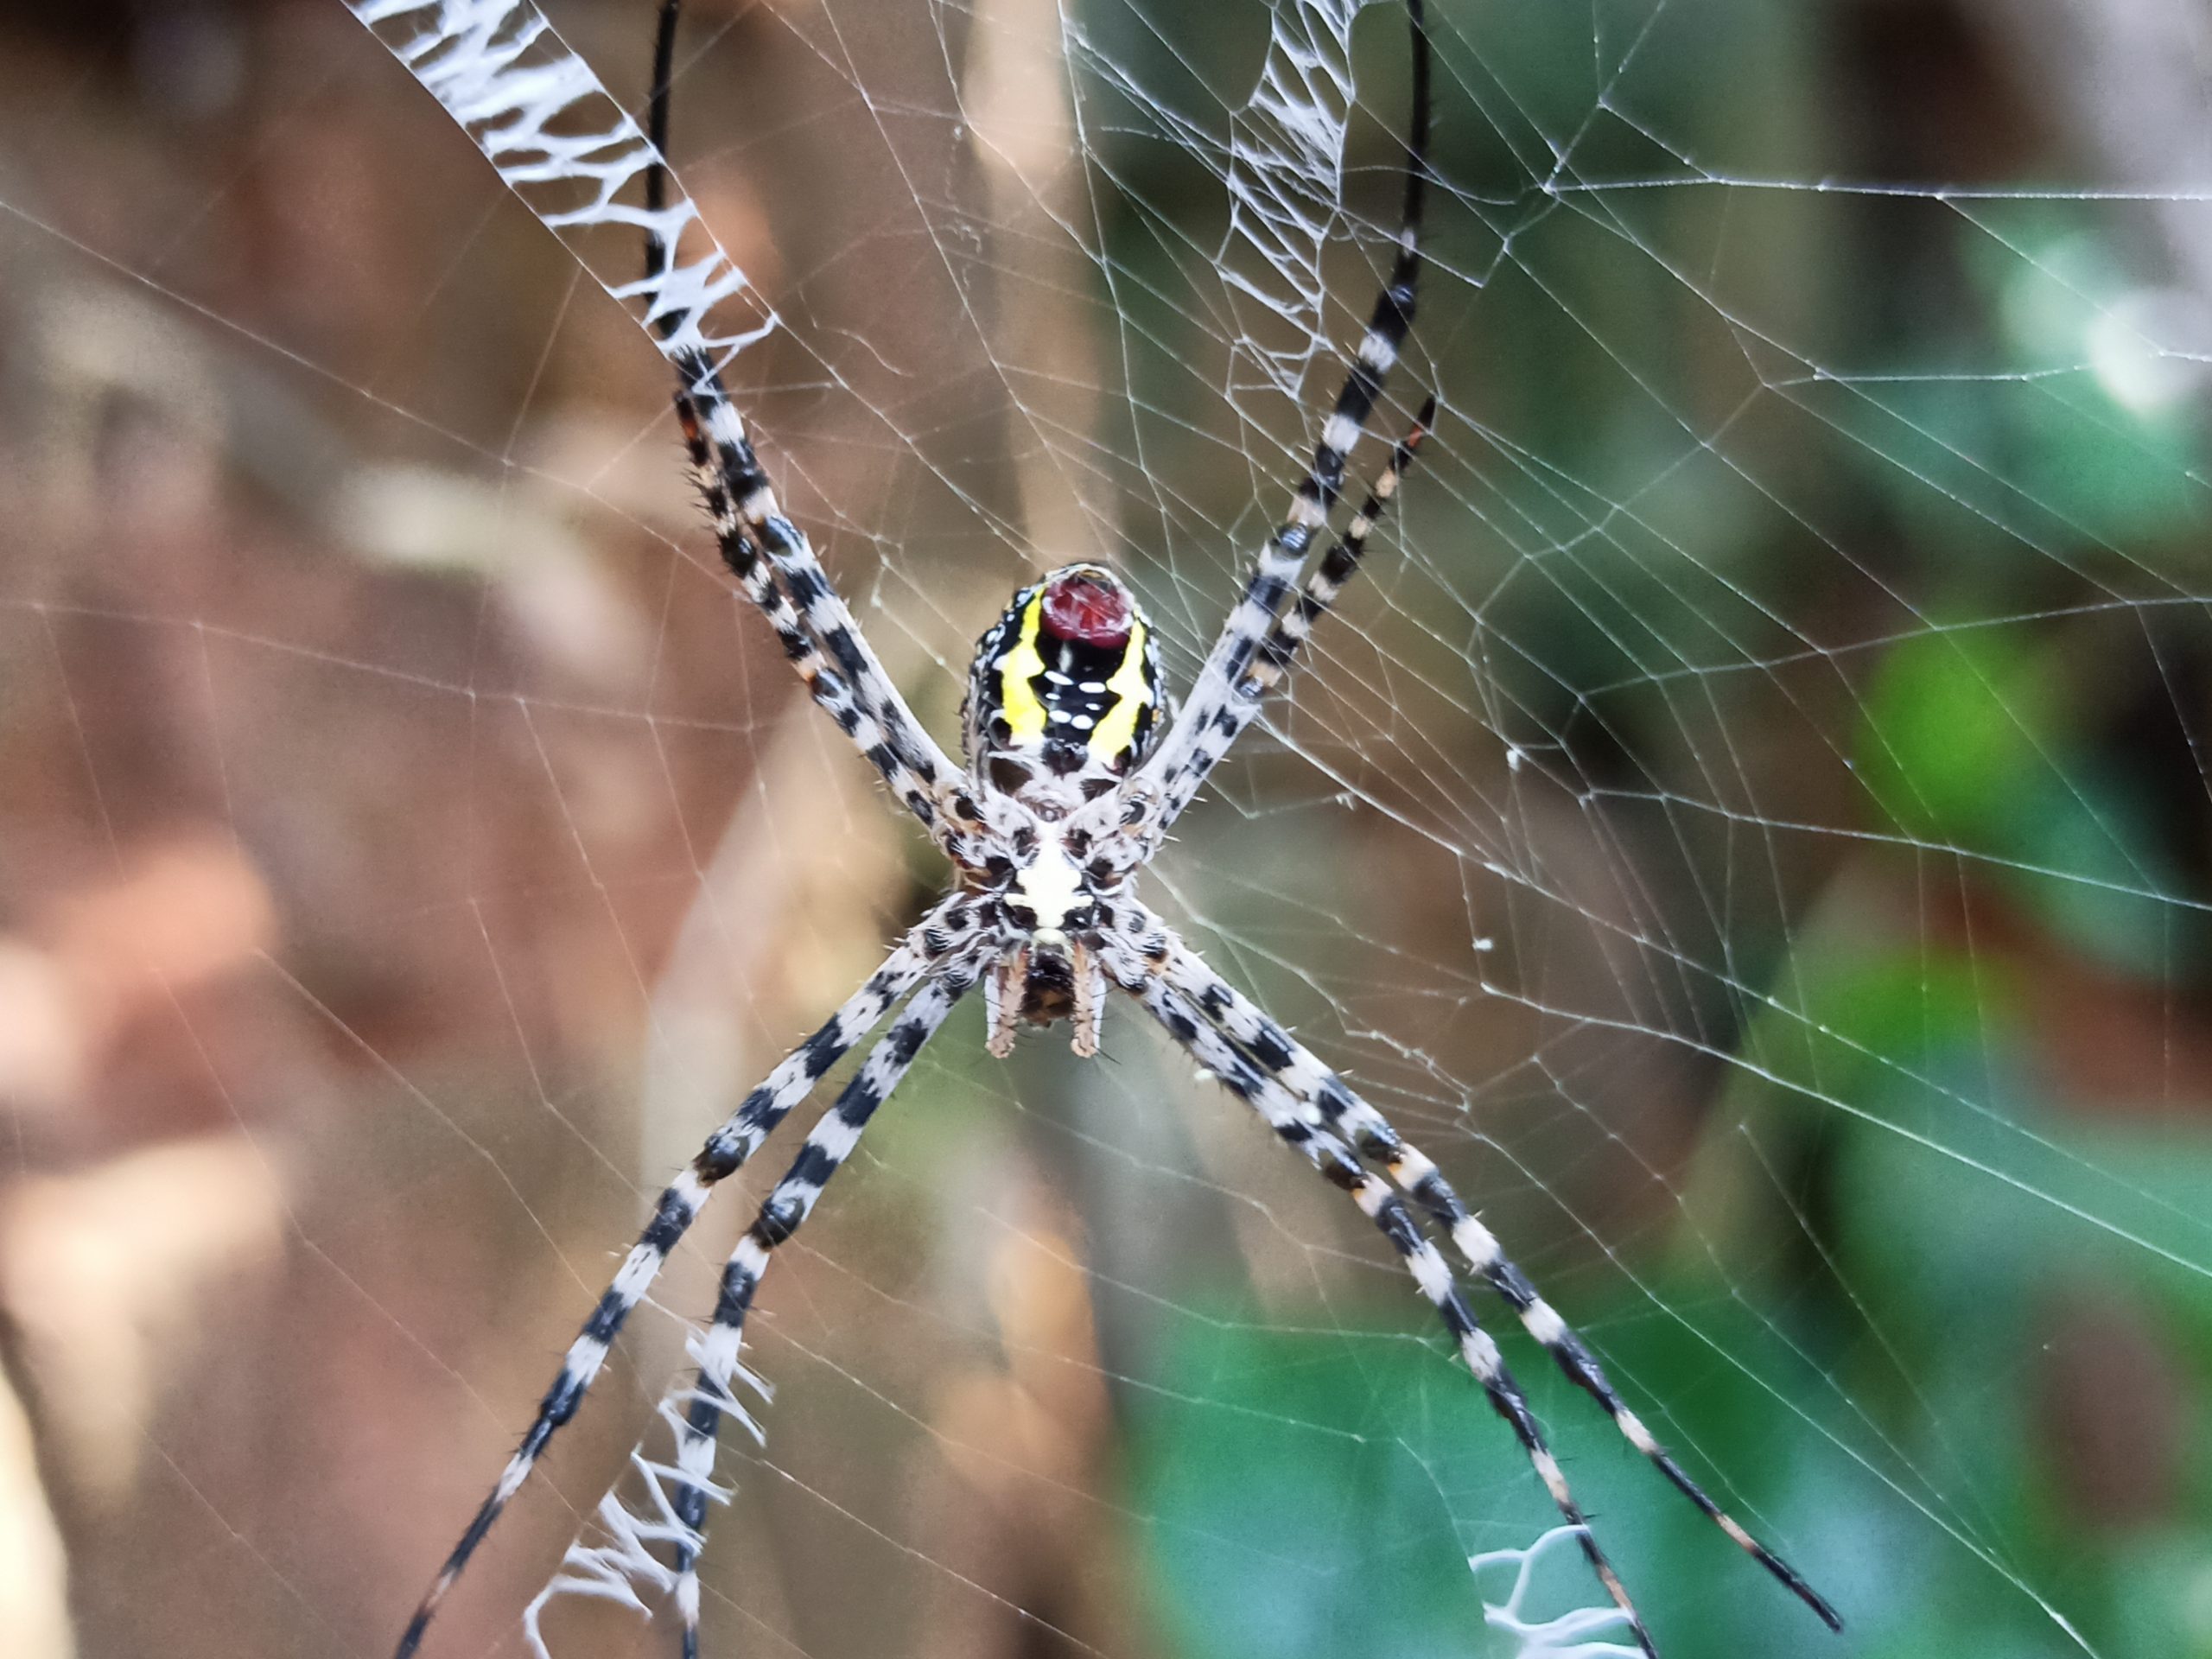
[(1064, 696)]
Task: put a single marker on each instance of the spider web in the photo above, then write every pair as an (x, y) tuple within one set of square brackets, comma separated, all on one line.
[(1748, 822)]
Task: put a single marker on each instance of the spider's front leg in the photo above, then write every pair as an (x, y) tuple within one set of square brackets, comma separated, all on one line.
[(1210, 719), (783, 1212)]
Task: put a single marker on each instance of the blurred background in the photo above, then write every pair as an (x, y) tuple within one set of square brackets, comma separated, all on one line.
[(1750, 824)]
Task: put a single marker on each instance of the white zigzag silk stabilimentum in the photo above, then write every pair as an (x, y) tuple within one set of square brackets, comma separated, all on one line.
[(1283, 168), (578, 161), (1285, 177), (1570, 1634), (616, 1569)]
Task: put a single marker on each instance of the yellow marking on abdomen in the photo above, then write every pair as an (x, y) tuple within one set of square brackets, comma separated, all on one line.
[(1116, 731), (1017, 671)]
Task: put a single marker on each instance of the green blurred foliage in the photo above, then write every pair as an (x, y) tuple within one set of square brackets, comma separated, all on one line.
[(1975, 745)]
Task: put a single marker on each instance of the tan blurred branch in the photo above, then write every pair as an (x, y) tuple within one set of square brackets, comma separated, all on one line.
[(108, 1278), (34, 1571), (1022, 125)]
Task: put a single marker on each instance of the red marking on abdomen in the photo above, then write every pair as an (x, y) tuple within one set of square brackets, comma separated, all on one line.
[(1090, 610)]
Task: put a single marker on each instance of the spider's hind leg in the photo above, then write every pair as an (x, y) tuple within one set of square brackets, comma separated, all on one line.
[(774, 562), (1324, 1095), (1210, 719), (1288, 1117), (949, 929)]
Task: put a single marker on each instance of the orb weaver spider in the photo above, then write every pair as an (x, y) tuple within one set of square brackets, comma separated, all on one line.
[(1076, 766)]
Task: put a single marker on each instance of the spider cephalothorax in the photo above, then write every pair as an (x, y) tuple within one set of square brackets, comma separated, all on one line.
[(1075, 775)]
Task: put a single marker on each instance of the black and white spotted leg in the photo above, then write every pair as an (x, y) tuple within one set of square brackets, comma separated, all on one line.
[(594, 178), (1188, 1024), (1207, 726), (792, 590), (924, 786), (1327, 579), (943, 934), (709, 1398), (1291, 630), (1321, 1093)]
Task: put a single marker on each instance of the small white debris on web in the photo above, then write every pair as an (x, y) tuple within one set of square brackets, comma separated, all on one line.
[(1569, 1635)]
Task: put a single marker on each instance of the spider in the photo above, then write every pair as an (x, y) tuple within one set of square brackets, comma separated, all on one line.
[(1076, 766)]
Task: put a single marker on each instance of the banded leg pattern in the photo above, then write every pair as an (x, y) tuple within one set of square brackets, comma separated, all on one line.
[(940, 934), (1324, 1093), (1209, 723), (568, 150), (1286, 1115), (809, 617), (710, 1398), (1266, 669), (921, 784), (1338, 567)]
